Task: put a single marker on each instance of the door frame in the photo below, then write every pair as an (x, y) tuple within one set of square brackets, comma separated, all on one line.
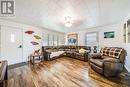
[(21, 40)]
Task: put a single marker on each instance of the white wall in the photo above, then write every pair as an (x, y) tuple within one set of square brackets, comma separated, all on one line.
[(27, 47), (103, 42)]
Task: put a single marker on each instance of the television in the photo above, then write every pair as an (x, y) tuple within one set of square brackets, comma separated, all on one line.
[(109, 34)]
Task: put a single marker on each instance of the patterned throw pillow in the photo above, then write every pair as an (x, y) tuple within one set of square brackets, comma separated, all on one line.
[(115, 52), (101, 51), (111, 51), (105, 51)]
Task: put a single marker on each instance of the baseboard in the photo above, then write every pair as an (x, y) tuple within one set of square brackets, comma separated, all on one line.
[(16, 65), (127, 69)]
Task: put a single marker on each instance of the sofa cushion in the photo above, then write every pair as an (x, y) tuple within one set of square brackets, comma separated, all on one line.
[(95, 55), (98, 62), (79, 54), (49, 50), (73, 50), (69, 52), (55, 54), (67, 49), (104, 57)]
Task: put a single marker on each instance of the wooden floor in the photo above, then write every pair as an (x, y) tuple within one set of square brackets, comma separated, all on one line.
[(62, 72)]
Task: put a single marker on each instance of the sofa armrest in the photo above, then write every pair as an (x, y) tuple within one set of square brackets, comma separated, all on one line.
[(46, 55), (95, 56), (112, 60), (112, 67)]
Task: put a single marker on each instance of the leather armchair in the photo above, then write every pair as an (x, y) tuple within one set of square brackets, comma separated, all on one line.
[(107, 65)]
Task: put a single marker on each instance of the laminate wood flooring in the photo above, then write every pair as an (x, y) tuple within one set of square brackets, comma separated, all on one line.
[(62, 72)]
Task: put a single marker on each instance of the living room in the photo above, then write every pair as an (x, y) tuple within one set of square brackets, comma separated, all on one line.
[(64, 43)]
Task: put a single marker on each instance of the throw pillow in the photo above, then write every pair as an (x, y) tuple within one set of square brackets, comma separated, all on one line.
[(82, 50)]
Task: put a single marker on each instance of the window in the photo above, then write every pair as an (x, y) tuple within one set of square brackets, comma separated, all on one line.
[(61, 40), (12, 38), (50, 40), (126, 34), (91, 39), (53, 40), (45, 39), (128, 26)]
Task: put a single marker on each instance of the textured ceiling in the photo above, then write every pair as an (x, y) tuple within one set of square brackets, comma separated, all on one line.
[(85, 13)]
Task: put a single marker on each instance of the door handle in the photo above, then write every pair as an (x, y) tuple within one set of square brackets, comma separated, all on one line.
[(20, 46)]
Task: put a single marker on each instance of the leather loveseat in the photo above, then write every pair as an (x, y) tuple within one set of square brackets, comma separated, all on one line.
[(109, 62)]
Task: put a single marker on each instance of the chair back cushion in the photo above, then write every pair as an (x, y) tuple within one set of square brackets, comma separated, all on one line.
[(114, 52)]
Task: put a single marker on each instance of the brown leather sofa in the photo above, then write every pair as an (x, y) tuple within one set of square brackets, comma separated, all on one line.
[(69, 51), (109, 62)]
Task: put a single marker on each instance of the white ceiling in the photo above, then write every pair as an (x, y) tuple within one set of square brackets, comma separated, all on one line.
[(85, 13)]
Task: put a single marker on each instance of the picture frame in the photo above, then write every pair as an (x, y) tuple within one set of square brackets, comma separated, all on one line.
[(72, 39), (110, 34)]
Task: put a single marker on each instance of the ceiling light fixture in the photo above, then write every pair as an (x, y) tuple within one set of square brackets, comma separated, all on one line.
[(68, 21)]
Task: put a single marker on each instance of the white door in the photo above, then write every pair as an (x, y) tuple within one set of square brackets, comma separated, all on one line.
[(11, 44)]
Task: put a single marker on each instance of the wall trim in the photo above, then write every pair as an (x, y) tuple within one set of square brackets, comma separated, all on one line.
[(16, 65), (127, 69)]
